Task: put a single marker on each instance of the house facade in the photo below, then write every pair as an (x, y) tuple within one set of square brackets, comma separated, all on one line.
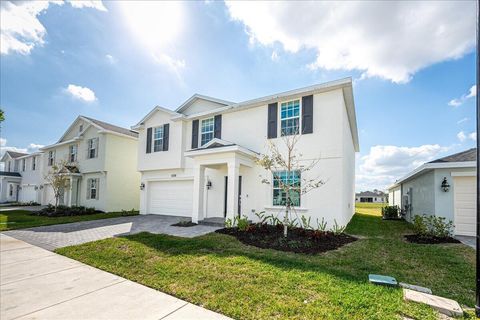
[(199, 160), (99, 160), (10, 178), (374, 196), (444, 187)]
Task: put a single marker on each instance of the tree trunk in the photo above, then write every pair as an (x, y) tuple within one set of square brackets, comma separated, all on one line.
[(285, 222)]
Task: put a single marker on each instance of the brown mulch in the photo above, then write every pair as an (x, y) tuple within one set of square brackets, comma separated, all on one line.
[(298, 240), (414, 238)]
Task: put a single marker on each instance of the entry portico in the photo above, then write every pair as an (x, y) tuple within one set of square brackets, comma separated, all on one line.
[(216, 155)]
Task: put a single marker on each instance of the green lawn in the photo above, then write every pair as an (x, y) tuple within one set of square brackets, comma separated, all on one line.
[(20, 219), (369, 208), (244, 282)]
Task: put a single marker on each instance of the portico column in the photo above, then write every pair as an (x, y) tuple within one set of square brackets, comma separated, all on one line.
[(232, 190), (198, 188)]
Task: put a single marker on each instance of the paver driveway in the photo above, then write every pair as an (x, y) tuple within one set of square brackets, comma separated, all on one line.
[(62, 235), (39, 284)]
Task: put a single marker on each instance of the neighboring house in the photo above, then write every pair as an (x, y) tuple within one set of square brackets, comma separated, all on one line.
[(374, 196), (101, 167), (10, 178), (199, 160), (444, 187)]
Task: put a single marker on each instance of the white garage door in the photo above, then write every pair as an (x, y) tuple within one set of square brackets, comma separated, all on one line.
[(28, 193), (465, 210), (173, 198)]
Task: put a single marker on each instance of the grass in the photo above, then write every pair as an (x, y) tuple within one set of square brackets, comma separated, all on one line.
[(374, 209), (220, 273), (20, 219)]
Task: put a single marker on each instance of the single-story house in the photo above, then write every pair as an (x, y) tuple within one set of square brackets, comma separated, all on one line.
[(445, 187), (374, 196)]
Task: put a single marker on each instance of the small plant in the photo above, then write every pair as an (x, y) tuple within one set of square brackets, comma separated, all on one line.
[(390, 212), (242, 223), (127, 213), (322, 225), (262, 217), (337, 229), (306, 223), (292, 223), (228, 223), (64, 211), (432, 226), (420, 226)]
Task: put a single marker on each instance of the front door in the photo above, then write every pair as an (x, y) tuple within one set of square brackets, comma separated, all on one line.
[(239, 196)]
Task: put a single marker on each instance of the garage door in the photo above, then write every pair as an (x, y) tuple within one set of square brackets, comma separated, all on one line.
[(173, 198), (28, 193), (464, 199)]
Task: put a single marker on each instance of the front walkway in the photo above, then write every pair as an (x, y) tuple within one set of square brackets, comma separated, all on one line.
[(467, 240), (39, 284), (63, 235)]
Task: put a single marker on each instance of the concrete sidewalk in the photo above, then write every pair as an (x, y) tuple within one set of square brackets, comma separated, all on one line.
[(39, 284)]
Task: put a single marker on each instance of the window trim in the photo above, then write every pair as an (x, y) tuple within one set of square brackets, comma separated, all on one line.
[(90, 143), (159, 139), (212, 132), (92, 185), (294, 117), (24, 165), (51, 158), (70, 153), (34, 163), (281, 190)]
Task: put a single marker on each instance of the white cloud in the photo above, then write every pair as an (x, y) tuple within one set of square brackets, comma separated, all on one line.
[(111, 58), (21, 31), (383, 165), (81, 93), (275, 56), (32, 147), (3, 142), (462, 136), (391, 40), (88, 4), (472, 92), (462, 120)]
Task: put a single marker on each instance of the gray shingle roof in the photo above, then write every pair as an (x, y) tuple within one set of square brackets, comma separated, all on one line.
[(114, 128), (370, 194), (10, 174), (468, 155), (15, 154)]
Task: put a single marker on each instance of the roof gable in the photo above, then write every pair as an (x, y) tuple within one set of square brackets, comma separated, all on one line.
[(199, 103), (467, 155), (12, 155)]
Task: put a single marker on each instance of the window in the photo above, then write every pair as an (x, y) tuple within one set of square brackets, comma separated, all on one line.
[(80, 129), (207, 130), (158, 139), (51, 158), (34, 163), (92, 189), (23, 165), (282, 179), (10, 191), (290, 118), (72, 152), (92, 148), (9, 166)]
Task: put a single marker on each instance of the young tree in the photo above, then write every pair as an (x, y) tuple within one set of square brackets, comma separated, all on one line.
[(288, 169), (58, 180)]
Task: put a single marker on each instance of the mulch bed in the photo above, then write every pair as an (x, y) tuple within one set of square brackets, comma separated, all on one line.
[(414, 238), (298, 240), (184, 224)]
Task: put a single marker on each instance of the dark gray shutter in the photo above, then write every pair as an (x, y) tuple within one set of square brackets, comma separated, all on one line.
[(194, 134), (307, 114), (217, 133), (166, 133), (272, 120), (149, 140)]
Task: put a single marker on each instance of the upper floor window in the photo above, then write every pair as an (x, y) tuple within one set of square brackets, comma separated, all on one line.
[(283, 181), (80, 129), (9, 166), (72, 153), (92, 148), (208, 126), (24, 166), (158, 139), (34, 163), (51, 158), (290, 118)]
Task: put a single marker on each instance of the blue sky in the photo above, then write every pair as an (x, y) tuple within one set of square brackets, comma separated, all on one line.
[(115, 61)]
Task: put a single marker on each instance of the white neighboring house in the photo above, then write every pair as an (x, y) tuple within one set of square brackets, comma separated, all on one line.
[(444, 187), (10, 178), (102, 169), (374, 196), (198, 161)]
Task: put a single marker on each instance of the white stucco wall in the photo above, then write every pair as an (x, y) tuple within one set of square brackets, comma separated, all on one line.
[(423, 195)]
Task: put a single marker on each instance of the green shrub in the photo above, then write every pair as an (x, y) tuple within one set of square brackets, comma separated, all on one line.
[(321, 225), (390, 212), (65, 211), (242, 223), (432, 226), (337, 229)]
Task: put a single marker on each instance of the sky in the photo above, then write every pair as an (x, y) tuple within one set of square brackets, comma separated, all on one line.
[(412, 63)]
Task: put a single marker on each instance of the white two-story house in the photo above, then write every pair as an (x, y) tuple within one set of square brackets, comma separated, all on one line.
[(199, 160), (10, 178)]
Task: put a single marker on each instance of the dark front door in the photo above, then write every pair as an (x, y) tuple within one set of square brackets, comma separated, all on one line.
[(239, 196)]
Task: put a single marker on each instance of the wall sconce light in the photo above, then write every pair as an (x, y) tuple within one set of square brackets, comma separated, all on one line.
[(36, 188), (41, 187), (445, 185), (209, 184), (142, 186)]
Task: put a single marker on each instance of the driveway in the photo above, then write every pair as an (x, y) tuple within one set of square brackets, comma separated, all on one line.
[(39, 284), (467, 240), (63, 235)]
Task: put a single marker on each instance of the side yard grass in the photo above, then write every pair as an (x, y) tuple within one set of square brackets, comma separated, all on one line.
[(244, 282), (20, 219)]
